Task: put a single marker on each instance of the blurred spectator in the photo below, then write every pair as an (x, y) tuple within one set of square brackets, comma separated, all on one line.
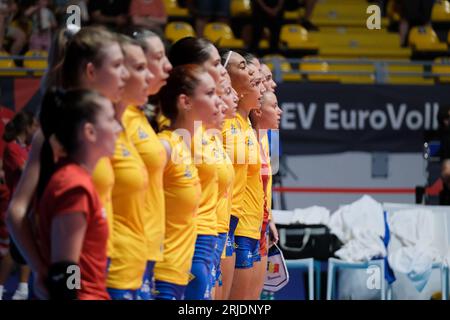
[(113, 13), (309, 5), (205, 10), (44, 22), (150, 14), (413, 13), (267, 13), (14, 26)]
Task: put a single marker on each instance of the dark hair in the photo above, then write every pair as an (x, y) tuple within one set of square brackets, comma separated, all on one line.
[(141, 35), (183, 79), (190, 50), (84, 47), (19, 124), (62, 114), (249, 57)]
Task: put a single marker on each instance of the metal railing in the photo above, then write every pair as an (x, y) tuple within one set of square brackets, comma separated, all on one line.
[(380, 71)]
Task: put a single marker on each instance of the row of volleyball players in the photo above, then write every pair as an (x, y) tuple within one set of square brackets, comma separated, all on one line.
[(88, 171)]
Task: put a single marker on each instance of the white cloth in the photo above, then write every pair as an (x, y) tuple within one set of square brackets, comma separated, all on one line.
[(411, 250), (360, 227), (311, 215)]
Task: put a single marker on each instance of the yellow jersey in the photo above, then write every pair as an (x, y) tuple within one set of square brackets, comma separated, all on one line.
[(130, 256), (154, 155), (182, 193), (233, 142), (103, 178), (266, 151), (250, 222), (162, 122), (202, 149), (225, 173)]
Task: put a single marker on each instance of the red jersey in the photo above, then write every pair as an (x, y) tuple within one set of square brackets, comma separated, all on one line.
[(5, 116), (71, 190), (14, 158)]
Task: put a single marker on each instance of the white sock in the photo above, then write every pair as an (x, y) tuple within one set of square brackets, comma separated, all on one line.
[(23, 286), (1, 292)]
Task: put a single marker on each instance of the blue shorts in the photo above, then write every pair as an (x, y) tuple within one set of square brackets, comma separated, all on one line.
[(168, 291), (216, 8), (148, 283), (119, 294), (199, 288), (246, 249), (230, 245), (215, 274)]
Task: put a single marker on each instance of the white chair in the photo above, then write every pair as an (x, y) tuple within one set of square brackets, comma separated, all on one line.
[(441, 237), (335, 264), (307, 264)]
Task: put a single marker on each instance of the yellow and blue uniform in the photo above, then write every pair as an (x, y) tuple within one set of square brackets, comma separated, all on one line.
[(202, 148), (225, 173), (182, 193), (234, 142), (248, 230), (103, 179), (152, 152), (129, 259)]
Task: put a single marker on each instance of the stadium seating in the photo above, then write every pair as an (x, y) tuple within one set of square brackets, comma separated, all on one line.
[(295, 37), (36, 64), (424, 39), (240, 8), (317, 66), (173, 10), (440, 67), (7, 63), (222, 35), (407, 74), (285, 66), (177, 30), (441, 11)]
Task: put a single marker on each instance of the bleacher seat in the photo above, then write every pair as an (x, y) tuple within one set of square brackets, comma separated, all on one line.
[(177, 30), (173, 10), (441, 11), (424, 39), (36, 64), (442, 65), (346, 43), (285, 66), (398, 74), (295, 37), (317, 66), (7, 63), (240, 8), (342, 13), (222, 35)]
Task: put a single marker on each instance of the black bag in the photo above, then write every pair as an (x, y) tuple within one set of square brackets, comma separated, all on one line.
[(300, 241)]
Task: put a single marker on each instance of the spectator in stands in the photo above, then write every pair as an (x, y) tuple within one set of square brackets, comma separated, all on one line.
[(14, 26), (150, 14), (413, 13), (309, 5), (204, 10), (43, 24), (113, 13), (267, 13), (18, 134)]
